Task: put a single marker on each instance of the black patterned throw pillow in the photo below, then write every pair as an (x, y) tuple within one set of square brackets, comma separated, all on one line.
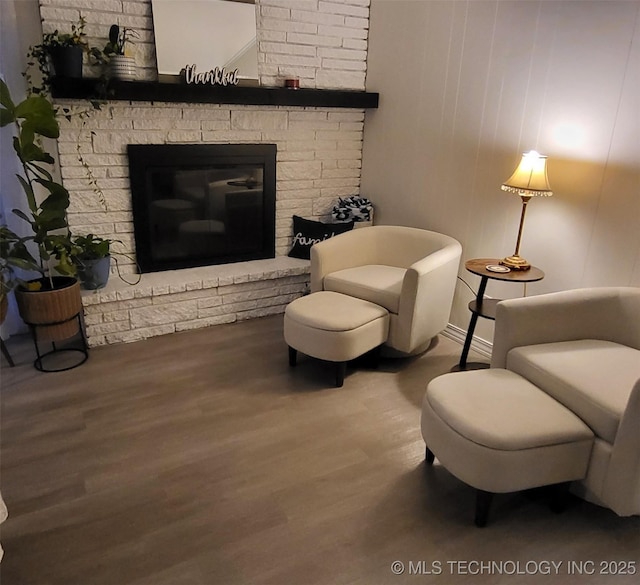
[(353, 207), (307, 232)]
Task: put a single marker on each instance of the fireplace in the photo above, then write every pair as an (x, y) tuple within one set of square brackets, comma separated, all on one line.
[(202, 204)]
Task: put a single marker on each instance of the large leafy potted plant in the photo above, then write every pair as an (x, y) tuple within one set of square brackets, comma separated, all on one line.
[(14, 255), (51, 303)]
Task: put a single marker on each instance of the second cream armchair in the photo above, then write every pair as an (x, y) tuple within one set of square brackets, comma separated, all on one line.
[(410, 272), (582, 347)]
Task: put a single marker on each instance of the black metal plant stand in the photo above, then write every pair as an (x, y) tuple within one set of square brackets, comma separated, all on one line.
[(84, 349), (5, 353)]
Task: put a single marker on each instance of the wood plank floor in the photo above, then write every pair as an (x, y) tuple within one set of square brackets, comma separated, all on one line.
[(201, 458)]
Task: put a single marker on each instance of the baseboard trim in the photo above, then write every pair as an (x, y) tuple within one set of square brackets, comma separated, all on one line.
[(482, 346)]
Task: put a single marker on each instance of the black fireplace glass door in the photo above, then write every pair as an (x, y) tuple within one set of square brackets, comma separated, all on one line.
[(187, 213)]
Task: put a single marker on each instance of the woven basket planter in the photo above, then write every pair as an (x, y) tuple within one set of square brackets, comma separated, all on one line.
[(52, 311)]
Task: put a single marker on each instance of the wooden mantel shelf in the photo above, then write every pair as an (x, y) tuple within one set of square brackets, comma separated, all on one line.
[(154, 91)]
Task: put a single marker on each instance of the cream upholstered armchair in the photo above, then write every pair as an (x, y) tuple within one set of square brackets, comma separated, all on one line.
[(582, 347), (410, 272)]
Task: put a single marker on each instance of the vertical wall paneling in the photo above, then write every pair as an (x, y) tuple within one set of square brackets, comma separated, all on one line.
[(495, 79)]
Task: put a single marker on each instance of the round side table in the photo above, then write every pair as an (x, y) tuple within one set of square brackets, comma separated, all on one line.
[(486, 308)]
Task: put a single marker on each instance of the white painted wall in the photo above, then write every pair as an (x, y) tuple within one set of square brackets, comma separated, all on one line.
[(465, 88)]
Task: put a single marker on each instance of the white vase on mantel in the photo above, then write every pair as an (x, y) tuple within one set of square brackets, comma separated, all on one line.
[(123, 68)]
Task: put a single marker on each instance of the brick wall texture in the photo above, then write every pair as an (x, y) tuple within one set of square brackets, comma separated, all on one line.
[(322, 43)]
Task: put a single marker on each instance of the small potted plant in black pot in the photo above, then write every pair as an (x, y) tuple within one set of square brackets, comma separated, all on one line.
[(59, 54)]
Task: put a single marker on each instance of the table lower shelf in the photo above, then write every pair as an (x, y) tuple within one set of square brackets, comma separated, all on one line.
[(486, 308)]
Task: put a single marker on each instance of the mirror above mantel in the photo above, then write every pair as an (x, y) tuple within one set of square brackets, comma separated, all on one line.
[(207, 34)]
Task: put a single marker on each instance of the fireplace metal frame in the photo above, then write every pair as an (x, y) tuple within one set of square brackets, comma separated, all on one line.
[(197, 156)]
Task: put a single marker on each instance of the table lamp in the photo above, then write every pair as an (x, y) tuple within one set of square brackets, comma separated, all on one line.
[(528, 180)]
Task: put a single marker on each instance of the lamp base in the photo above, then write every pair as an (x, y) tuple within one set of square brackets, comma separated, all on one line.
[(515, 263)]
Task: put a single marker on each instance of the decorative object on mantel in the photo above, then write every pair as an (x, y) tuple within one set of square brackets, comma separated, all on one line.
[(216, 76), (63, 52), (292, 83), (121, 65), (528, 180), (226, 29), (354, 208)]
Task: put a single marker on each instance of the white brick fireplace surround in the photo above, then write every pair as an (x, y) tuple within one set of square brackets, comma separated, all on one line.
[(319, 153)]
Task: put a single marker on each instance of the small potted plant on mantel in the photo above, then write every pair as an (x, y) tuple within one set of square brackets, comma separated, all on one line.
[(121, 65), (58, 54)]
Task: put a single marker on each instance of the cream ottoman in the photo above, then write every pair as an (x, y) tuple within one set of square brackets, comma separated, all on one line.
[(334, 327), (499, 433)]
